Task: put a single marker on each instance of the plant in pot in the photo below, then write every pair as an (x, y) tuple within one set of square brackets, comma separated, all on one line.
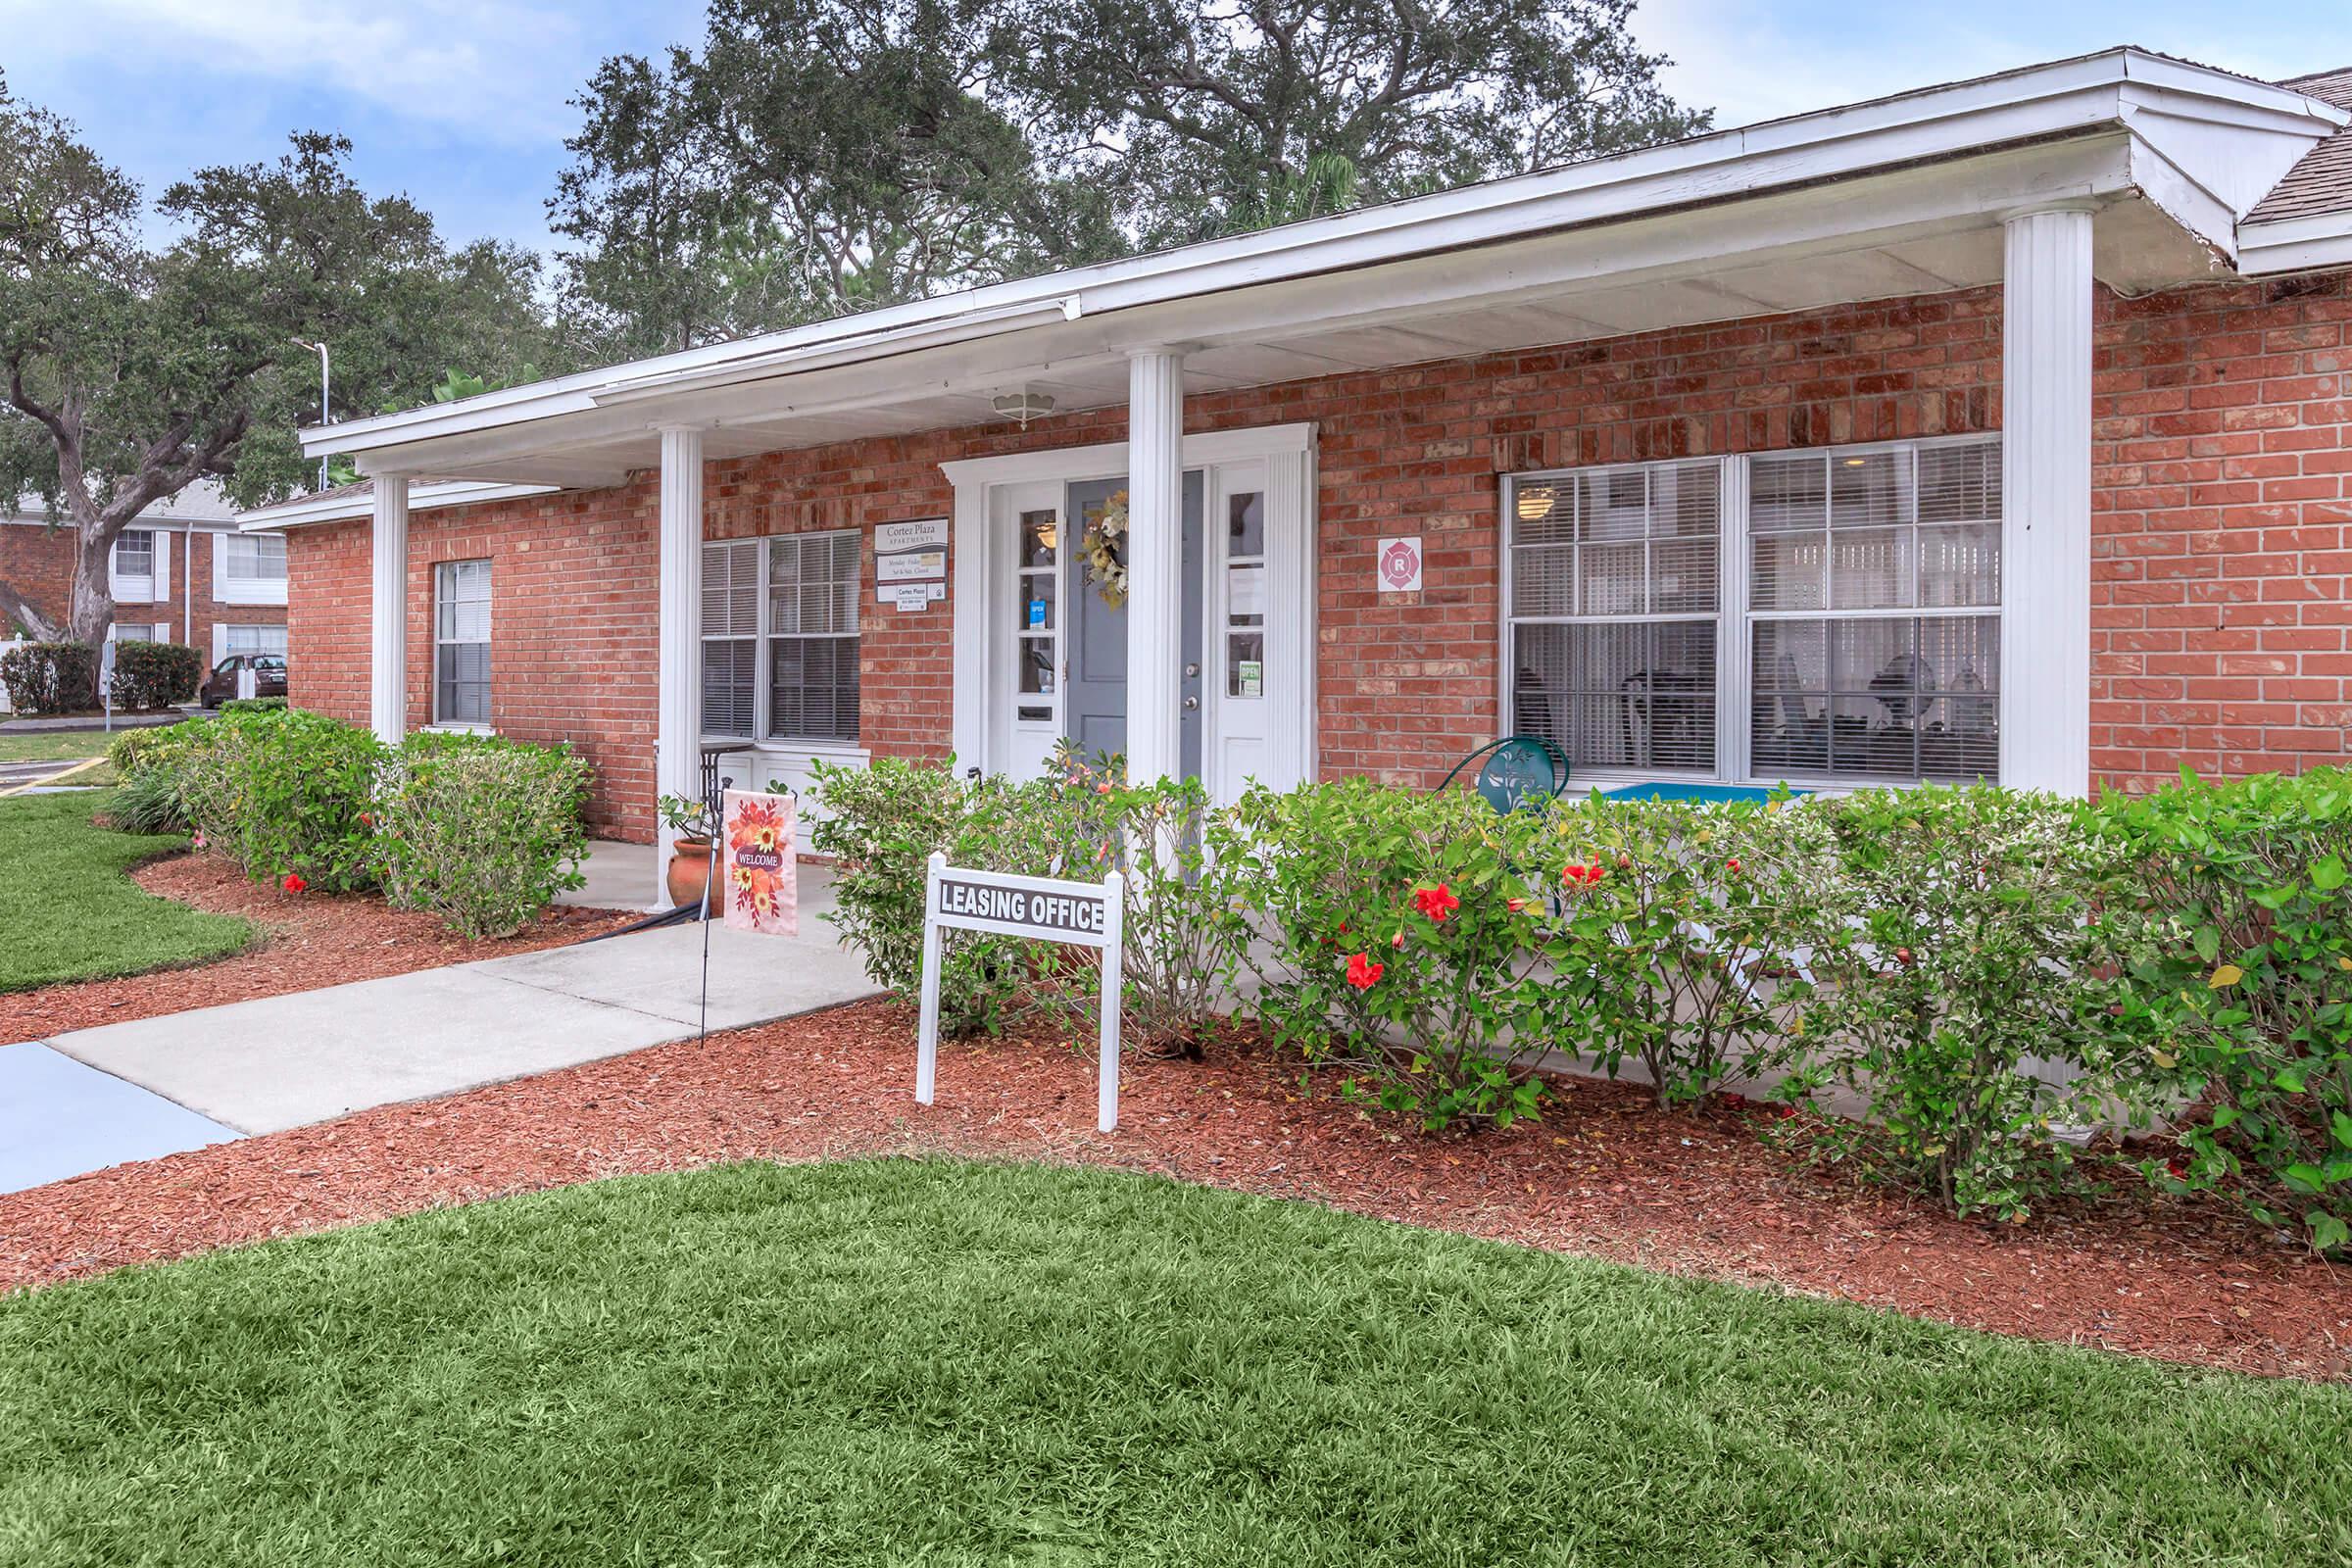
[(688, 874)]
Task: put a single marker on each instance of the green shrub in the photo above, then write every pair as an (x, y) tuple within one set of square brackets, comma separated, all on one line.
[(1185, 920), (1957, 967), (50, 678), (1677, 935), (254, 705), (2235, 1000), (147, 802), (149, 675), (1400, 934), (283, 792), (152, 746), (479, 831), (881, 824)]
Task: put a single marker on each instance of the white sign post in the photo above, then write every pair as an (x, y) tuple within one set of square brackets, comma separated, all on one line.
[(1092, 914)]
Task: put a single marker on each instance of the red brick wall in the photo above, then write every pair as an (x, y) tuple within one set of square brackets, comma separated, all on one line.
[(2221, 529), (39, 561), (2220, 511)]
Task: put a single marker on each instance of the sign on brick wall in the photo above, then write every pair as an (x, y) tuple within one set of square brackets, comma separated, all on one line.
[(911, 564), (1399, 565)]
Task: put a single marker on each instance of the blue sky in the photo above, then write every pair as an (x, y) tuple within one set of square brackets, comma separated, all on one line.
[(462, 102)]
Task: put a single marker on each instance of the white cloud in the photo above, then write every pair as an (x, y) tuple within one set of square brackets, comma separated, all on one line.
[(1757, 61), (487, 70)]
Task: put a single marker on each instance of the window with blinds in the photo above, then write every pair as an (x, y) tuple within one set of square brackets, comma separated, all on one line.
[(1614, 615), (812, 636), (731, 637), (780, 623), (1873, 595)]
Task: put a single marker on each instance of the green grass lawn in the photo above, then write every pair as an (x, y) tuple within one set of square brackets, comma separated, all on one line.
[(53, 745), (935, 1362), (67, 911)]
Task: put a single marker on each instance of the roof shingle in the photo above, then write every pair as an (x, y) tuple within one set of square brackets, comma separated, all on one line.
[(2321, 182)]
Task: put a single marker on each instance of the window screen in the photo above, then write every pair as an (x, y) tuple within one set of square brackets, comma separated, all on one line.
[(730, 637), (255, 557), (812, 636), (780, 620), (1874, 591), (1614, 613), (461, 642)]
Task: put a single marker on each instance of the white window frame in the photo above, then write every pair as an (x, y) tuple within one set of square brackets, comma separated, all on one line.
[(151, 587), (230, 587), (488, 638), (221, 639), (1735, 620), (762, 641)]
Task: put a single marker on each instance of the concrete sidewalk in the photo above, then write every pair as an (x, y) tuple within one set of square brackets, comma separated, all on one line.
[(284, 1061)]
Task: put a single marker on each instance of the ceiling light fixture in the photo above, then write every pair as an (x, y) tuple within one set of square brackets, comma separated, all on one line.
[(1024, 406)]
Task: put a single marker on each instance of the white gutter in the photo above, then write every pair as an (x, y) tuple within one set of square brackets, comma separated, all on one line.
[(2046, 102), (2294, 244), (422, 498)]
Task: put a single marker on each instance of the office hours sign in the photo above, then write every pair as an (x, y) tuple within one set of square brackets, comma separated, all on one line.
[(1044, 909)]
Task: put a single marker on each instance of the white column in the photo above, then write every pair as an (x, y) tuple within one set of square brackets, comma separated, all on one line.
[(2045, 500), (678, 709), (1154, 563), (388, 625)]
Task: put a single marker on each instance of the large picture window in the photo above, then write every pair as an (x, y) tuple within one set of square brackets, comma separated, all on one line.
[(1615, 614), (1861, 639), (780, 631), (461, 643)]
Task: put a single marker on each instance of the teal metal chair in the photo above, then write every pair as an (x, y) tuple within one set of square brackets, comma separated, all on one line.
[(1514, 772)]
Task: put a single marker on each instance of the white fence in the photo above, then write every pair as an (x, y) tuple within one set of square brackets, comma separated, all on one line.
[(5, 645)]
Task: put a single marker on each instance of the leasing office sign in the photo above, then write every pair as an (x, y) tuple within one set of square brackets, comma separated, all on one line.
[(1044, 909)]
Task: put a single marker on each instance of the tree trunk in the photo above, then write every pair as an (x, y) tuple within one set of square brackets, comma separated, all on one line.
[(91, 612)]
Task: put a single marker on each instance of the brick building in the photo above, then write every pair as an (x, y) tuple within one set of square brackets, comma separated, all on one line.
[(185, 573), (1992, 431)]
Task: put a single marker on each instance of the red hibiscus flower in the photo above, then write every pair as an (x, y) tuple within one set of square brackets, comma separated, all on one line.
[(1732, 866), (292, 882), (1398, 940), (1362, 972), (1516, 905), (1436, 902)]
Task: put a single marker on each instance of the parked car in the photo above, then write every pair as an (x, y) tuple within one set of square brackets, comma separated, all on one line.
[(269, 678)]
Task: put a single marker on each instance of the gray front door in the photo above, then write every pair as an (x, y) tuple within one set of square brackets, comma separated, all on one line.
[(1094, 703)]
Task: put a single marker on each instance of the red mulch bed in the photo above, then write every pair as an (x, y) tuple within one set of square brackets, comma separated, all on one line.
[(1603, 1174), (308, 939)]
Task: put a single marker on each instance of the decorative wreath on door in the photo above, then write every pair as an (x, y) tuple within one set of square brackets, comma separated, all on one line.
[(1104, 544)]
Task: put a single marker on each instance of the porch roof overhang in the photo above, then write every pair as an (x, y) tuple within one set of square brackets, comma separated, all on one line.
[(1903, 195)]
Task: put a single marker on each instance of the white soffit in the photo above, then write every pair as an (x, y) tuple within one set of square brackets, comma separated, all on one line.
[(345, 506), (1901, 195)]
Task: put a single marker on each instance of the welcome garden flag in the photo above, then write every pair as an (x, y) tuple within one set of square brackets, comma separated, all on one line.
[(757, 863)]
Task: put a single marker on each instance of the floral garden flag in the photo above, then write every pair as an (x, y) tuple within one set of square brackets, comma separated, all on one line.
[(756, 864)]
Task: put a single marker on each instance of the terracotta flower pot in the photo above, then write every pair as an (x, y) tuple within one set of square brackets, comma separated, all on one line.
[(690, 876)]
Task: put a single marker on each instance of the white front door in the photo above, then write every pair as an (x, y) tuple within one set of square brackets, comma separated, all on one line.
[(1024, 678)]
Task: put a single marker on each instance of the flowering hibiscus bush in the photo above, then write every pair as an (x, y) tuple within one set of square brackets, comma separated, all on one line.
[(1958, 993), (1679, 932), (480, 831), (1399, 942), (283, 791), (2233, 997)]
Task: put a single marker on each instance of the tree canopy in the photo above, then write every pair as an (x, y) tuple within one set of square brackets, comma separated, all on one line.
[(815, 157), (130, 368)]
